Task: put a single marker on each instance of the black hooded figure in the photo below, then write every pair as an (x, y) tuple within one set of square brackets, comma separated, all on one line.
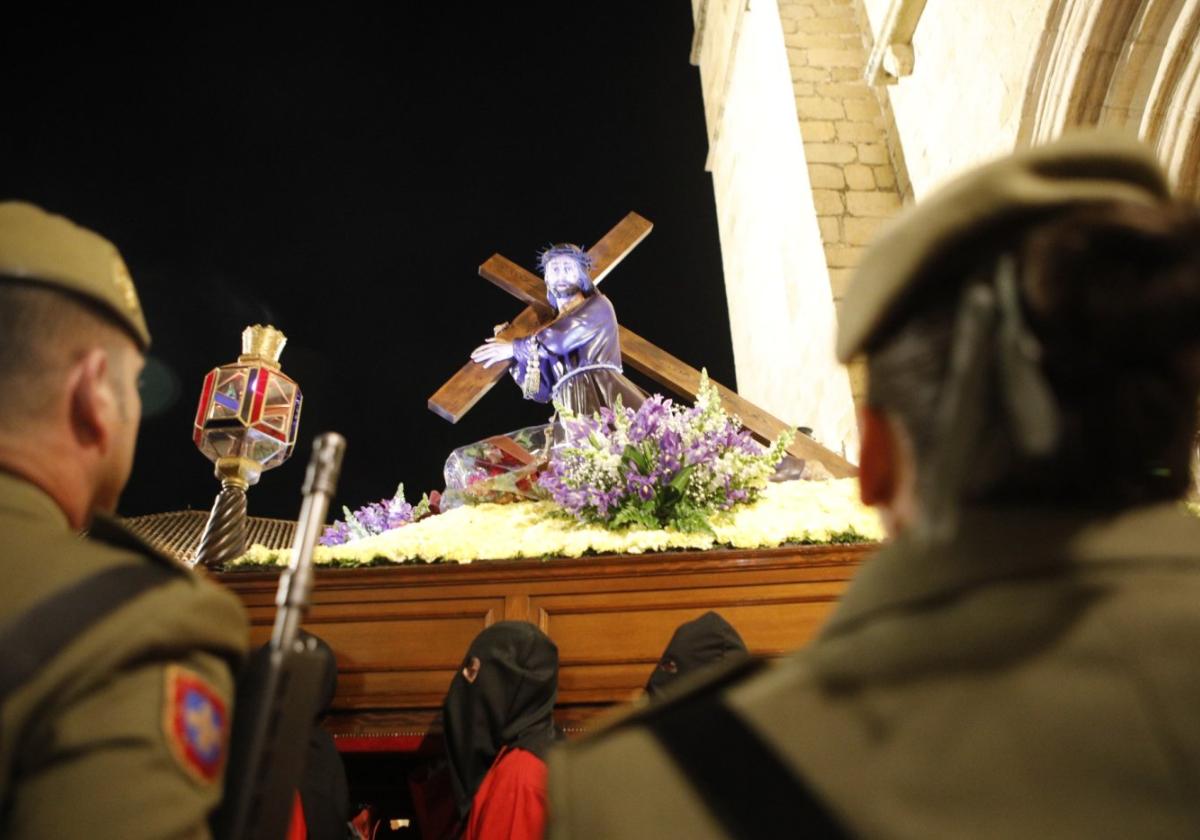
[(697, 643), (501, 699)]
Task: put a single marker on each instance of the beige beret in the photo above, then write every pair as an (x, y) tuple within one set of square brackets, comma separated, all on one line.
[(40, 247), (1087, 167)]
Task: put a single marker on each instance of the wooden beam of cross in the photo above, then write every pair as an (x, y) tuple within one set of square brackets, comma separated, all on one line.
[(459, 394)]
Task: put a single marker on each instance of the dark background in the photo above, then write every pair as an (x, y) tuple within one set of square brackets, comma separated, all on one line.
[(341, 174)]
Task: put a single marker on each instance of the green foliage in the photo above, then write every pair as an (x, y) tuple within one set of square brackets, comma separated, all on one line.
[(846, 537)]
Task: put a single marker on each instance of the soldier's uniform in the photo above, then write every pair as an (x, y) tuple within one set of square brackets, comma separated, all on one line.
[(115, 661), (1031, 675)]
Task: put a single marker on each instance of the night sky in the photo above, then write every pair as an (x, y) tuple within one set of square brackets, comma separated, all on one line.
[(341, 174)]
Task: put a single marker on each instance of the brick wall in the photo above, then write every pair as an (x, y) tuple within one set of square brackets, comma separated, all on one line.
[(845, 142), (774, 257), (857, 183)]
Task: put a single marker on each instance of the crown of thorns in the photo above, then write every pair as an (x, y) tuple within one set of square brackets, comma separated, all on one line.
[(566, 249)]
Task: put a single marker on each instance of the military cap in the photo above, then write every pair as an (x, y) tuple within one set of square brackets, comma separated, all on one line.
[(1083, 168), (42, 248)]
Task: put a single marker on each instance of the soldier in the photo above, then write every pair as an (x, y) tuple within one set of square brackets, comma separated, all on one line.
[(1019, 661), (115, 662)]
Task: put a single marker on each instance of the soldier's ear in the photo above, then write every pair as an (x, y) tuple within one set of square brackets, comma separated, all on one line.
[(92, 402), (878, 462)]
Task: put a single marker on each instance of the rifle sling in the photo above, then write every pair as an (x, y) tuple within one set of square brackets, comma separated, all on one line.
[(740, 777), (49, 627)]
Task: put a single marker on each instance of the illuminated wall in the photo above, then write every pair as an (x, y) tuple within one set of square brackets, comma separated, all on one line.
[(781, 306), (962, 103)]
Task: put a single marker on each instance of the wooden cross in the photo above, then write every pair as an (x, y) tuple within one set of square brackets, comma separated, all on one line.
[(465, 388)]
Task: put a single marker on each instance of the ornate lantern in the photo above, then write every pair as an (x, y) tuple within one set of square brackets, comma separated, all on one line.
[(246, 424)]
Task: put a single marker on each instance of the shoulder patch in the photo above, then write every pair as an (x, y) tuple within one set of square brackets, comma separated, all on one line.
[(196, 724)]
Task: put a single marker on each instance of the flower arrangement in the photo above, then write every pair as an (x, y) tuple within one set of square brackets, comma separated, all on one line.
[(660, 466), (375, 518), (786, 513)]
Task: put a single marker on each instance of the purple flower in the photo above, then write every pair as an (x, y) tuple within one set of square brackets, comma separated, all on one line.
[(372, 517), (640, 485), (649, 419), (335, 534), (585, 478), (670, 453), (396, 512)]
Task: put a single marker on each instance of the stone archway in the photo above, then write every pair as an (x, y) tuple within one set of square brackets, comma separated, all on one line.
[(1122, 63)]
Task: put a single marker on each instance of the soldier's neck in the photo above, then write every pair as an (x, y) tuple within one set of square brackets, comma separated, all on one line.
[(62, 479)]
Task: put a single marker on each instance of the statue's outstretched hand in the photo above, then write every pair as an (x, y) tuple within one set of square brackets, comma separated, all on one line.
[(493, 351)]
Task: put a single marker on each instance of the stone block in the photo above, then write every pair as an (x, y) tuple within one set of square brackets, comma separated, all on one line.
[(816, 108), (843, 25), (875, 204), (835, 11), (803, 89), (859, 177), (797, 59), (885, 177), (858, 379), (873, 153), (811, 74), (859, 132), (843, 256), (826, 176), (848, 74), (843, 59), (830, 152), (845, 90), (864, 109), (830, 229), (861, 231), (796, 11), (839, 280), (828, 202), (818, 40), (816, 131)]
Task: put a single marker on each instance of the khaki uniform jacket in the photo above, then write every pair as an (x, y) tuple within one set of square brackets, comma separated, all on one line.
[(122, 734), (1039, 677)]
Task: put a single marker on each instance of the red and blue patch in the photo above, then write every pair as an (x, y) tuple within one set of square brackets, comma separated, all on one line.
[(196, 723)]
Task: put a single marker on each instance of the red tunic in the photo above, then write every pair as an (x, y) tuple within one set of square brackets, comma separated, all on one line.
[(511, 800), (297, 828)]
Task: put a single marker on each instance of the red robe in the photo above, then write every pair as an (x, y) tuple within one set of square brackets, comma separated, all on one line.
[(511, 800)]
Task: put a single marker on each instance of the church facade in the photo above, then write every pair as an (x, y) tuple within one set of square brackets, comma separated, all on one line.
[(826, 116)]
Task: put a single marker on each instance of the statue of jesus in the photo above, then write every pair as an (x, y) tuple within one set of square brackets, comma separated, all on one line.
[(574, 361)]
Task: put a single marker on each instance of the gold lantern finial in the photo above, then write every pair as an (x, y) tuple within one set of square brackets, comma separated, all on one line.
[(262, 344)]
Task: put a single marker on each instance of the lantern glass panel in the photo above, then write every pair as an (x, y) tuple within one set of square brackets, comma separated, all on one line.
[(221, 444), (280, 397), (263, 448), (227, 395)]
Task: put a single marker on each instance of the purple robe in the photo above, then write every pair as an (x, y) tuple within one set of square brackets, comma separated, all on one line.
[(576, 361)]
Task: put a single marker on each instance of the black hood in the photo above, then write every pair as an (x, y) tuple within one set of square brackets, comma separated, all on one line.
[(510, 703), (702, 641)]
